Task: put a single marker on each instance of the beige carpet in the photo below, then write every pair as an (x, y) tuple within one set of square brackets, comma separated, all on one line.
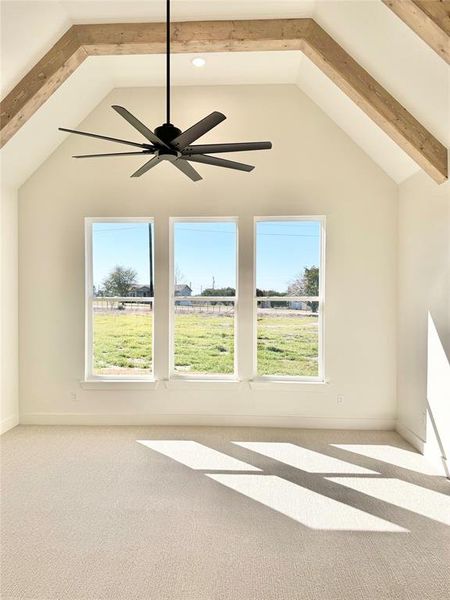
[(153, 513)]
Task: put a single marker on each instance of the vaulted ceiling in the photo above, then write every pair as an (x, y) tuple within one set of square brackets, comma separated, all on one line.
[(385, 46)]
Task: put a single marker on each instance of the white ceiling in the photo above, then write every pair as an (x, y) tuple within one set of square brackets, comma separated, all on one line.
[(388, 49)]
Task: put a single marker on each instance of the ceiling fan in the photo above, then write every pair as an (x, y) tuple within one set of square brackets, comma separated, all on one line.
[(168, 143)]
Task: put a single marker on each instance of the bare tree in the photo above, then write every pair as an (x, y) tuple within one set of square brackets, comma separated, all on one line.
[(306, 284), (296, 287), (179, 276)]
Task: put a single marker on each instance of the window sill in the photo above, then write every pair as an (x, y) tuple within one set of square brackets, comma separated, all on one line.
[(261, 384), (287, 384), (202, 384), (119, 384)]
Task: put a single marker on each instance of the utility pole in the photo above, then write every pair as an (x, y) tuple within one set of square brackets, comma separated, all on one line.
[(213, 282)]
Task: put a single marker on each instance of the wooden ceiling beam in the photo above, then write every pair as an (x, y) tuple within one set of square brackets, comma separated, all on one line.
[(194, 36), (305, 35), (430, 19), (39, 84)]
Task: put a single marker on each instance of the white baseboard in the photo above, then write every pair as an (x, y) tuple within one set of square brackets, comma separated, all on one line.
[(8, 423), (189, 419), (430, 452), (406, 433)]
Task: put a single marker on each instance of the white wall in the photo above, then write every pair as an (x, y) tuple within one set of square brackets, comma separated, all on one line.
[(313, 169), (424, 314), (9, 358)]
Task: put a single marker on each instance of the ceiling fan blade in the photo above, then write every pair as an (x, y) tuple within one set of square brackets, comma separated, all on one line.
[(147, 166), (146, 132), (143, 152), (219, 162), (187, 169), (197, 130), (104, 137), (238, 147)]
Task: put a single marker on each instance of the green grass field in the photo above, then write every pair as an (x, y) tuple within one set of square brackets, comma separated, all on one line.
[(287, 345), (204, 343), (121, 343)]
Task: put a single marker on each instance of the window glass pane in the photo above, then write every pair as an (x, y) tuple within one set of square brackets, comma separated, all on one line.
[(204, 265), (204, 338), (205, 257), (122, 266), (122, 336), (284, 249), (287, 265), (287, 339)]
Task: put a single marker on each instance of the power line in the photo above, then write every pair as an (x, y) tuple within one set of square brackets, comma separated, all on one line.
[(234, 233), (119, 229), (215, 231)]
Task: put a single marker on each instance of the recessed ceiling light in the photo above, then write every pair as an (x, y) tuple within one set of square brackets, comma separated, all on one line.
[(198, 61)]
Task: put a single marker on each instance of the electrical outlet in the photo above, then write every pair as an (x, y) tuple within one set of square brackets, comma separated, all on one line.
[(73, 396), (339, 399)]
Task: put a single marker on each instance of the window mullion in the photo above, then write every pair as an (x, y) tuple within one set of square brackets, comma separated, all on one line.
[(162, 305), (245, 303)]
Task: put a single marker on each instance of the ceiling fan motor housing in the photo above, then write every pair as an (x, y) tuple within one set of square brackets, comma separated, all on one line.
[(167, 132)]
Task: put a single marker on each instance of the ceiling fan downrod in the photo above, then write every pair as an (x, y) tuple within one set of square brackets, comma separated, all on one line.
[(168, 62), (168, 132)]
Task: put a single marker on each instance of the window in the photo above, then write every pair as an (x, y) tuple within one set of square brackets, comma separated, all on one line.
[(119, 298), (204, 298), (288, 297), (197, 329)]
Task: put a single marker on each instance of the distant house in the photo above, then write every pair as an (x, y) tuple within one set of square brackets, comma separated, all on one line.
[(140, 291), (299, 305), (182, 289), (264, 304)]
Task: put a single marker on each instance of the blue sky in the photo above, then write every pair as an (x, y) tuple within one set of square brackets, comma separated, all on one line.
[(204, 250), (124, 244), (283, 249)]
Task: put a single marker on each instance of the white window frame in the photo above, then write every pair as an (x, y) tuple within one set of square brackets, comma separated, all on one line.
[(173, 375), (89, 297), (320, 378)]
